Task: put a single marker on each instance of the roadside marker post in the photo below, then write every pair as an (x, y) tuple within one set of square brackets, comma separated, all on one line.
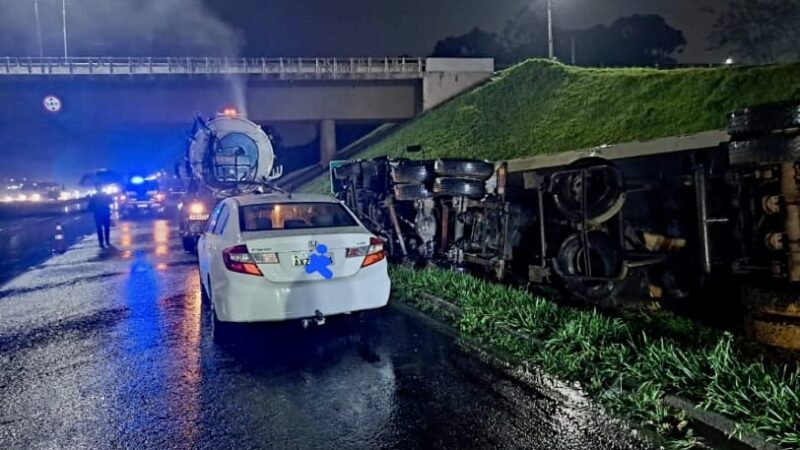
[(59, 246)]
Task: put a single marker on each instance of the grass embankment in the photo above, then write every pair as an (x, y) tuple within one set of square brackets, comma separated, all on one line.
[(628, 362), (544, 107)]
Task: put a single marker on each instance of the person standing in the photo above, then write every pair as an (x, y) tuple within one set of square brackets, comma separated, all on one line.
[(100, 206)]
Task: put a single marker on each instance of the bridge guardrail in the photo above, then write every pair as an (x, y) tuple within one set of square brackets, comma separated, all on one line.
[(333, 68)]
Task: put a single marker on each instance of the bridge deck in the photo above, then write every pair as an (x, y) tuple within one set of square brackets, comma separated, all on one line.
[(283, 68)]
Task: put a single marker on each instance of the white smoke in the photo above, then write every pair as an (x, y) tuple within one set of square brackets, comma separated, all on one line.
[(117, 28), (122, 28)]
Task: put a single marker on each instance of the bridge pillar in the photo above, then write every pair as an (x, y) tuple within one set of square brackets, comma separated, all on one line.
[(327, 140)]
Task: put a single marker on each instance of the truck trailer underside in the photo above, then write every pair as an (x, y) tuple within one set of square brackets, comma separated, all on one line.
[(658, 220)]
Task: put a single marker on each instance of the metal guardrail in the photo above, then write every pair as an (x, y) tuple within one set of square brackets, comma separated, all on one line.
[(333, 68)]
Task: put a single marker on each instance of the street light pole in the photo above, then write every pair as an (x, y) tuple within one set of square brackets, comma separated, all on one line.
[(551, 51), (64, 25), (38, 27)]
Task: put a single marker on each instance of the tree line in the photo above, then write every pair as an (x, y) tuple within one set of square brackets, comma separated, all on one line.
[(755, 31)]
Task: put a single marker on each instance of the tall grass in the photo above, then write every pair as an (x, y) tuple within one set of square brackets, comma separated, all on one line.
[(628, 362)]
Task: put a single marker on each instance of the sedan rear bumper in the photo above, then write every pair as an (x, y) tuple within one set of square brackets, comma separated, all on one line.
[(247, 298)]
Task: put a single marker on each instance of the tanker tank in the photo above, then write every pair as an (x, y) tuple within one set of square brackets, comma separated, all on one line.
[(231, 155)]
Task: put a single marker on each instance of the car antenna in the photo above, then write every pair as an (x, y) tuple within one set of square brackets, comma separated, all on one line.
[(271, 187)]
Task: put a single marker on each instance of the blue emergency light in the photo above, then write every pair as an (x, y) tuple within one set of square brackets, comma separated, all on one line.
[(137, 180)]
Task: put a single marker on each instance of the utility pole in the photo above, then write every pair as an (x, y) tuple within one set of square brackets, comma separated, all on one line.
[(572, 47), (64, 25), (38, 27), (551, 51)]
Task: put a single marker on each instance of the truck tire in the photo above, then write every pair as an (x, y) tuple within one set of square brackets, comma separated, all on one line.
[(412, 172), (464, 168), (773, 315), (775, 332), (189, 244), (760, 120), (605, 261), (459, 187), (783, 302), (411, 192), (605, 192), (764, 151), (348, 170)]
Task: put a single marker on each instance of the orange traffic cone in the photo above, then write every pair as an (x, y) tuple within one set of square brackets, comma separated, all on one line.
[(60, 245)]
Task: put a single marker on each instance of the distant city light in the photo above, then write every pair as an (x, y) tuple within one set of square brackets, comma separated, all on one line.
[(729, 61)]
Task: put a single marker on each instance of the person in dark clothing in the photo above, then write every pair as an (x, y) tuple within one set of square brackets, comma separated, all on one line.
[(100, 206)]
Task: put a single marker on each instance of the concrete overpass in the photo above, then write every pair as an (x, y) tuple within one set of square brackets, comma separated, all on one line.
[(114, 92)]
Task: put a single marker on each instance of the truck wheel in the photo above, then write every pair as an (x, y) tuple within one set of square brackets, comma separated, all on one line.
[(189, 244), (605, 191), (348, 170), (604, 260), (764, 150), (459, 187), (464, 168), (411, 192), (773, 315), (775, 332), (771, 301), (412, 172), (760, 120)]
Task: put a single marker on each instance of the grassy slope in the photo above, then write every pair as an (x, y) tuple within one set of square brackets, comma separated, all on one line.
[(544, 107)]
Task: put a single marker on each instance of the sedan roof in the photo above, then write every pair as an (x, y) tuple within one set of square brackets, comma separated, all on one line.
[(247, 200)]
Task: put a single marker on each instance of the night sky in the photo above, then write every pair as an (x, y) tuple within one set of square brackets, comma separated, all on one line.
[(313, 27), (284, 28)]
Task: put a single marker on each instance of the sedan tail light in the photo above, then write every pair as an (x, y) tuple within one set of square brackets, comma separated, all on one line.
[(372, 254), (238, 259)]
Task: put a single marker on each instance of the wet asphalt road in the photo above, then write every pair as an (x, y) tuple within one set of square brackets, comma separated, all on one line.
[(27, 241), (113, 350)]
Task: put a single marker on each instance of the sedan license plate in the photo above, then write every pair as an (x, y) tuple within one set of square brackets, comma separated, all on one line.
[(198, 216), (142, 205), (302, 261)]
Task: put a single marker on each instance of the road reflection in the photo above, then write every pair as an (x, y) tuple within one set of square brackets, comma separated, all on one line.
[(341, 375), (165, 326), (182, 315), (125, 238)]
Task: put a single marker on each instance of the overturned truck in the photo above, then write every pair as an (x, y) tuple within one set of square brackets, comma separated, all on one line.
[(658, 220)]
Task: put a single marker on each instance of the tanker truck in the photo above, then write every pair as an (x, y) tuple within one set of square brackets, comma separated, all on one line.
[(225, 156)]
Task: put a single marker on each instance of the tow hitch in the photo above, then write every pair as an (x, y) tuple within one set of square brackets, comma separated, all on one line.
[(318, 319)]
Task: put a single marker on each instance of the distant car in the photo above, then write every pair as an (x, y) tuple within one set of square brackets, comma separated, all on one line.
[(279, 257), (141, 197)]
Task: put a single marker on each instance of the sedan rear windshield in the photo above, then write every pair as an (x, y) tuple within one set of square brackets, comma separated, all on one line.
[(294, 216)]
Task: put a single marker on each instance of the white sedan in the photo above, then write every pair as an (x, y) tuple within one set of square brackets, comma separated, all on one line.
[(279, 257)]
